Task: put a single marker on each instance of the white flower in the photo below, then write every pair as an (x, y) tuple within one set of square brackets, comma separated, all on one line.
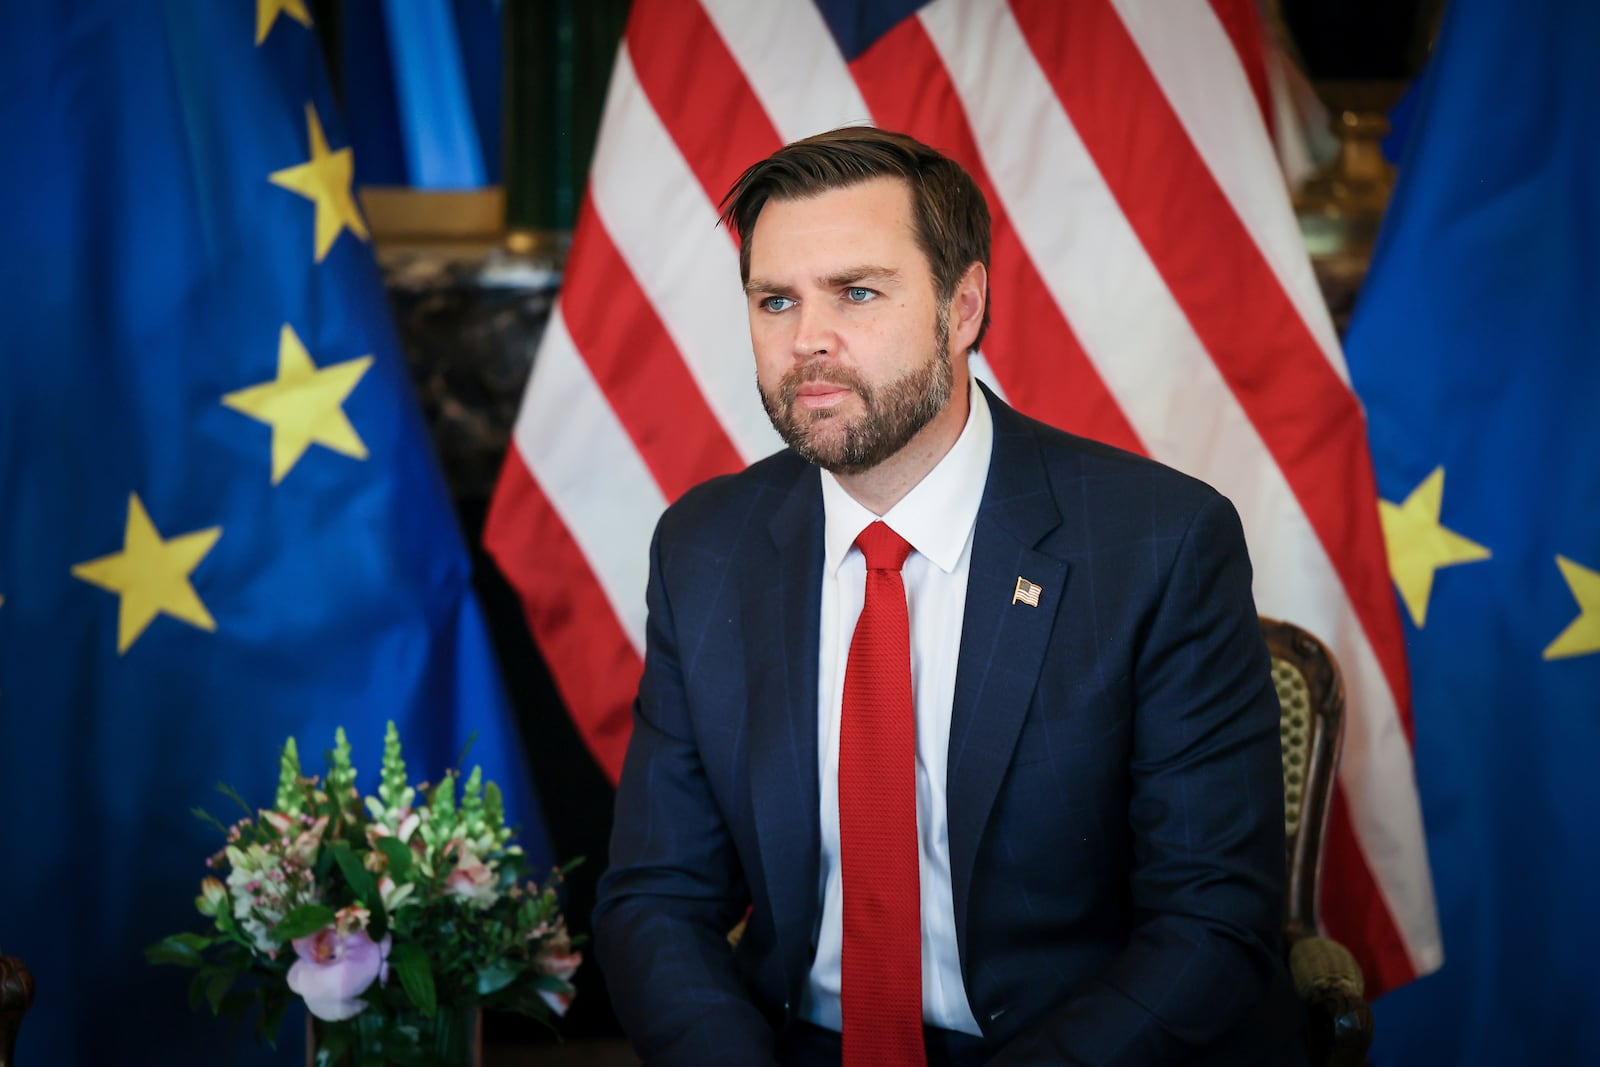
[(394, 896)]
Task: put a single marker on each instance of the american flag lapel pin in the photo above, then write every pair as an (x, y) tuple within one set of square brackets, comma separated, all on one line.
[(1027, 593)]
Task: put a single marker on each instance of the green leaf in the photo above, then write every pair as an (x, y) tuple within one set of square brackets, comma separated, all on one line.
[(410, 962), (323, 865), (275, 1002), (217, 985), (182, 950), (495, 977), (361, 882), (227, 923), (233, 794), (206, 817), (399, 856), (461, 760), (197, 991), (303, 921), (379, 926)]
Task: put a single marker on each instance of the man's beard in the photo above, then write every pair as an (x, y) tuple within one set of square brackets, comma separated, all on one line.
[(895, 412)]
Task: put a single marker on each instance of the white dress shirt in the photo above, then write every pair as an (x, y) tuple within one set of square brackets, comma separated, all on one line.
[(937, 517)]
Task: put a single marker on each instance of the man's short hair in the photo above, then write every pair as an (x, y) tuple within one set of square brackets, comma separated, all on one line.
[(949, 213)]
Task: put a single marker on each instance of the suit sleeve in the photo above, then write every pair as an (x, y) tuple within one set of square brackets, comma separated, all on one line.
[(1206, 816), (674, 888)]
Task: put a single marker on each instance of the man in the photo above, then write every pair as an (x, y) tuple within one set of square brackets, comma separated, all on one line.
[(995, 779)]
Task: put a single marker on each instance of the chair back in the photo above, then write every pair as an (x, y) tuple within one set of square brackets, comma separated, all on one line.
[(1311, 699)]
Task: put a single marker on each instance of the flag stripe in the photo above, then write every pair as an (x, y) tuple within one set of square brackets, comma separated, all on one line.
[(1381, 817), (1034, 351), (566, 433), (1183, 47), (664, 224), (695, 86), (1387, 959), (637, 367), (577, 630), (792, 63), (1269, 359), (1092, 264), (1241, 21)]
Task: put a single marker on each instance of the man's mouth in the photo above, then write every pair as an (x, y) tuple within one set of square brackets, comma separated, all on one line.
[(817, 396)]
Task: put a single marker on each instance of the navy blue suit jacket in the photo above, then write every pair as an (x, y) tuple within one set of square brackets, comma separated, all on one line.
[(1114, 781)]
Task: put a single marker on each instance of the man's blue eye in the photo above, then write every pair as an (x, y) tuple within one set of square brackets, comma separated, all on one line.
[(859, 295), (777, 303)]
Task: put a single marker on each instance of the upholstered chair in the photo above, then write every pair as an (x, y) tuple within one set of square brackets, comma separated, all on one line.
[(1326, 975)]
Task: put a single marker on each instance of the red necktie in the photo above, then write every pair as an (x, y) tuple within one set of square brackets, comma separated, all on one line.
[(881, 972)]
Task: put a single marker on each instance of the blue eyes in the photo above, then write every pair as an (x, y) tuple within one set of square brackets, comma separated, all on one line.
[(855, 294)]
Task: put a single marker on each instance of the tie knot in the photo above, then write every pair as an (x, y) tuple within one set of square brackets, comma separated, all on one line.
[(885, 550)]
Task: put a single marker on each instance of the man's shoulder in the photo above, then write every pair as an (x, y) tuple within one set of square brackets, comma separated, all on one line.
[(1099, 474), (723, 507)]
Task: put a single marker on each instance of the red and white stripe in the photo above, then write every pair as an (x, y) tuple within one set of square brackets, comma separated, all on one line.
[(1150, 290)]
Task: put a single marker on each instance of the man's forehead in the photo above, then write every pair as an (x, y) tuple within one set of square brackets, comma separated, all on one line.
[(837, 226)]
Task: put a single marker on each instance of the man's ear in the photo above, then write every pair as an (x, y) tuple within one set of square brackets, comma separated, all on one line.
[(967, 305)]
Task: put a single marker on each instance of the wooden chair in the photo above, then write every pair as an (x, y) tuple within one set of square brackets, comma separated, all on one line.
[(1326, 975), (16, 993)]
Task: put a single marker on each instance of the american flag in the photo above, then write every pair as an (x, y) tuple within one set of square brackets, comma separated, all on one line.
[(1149, 289), (1027, 592)]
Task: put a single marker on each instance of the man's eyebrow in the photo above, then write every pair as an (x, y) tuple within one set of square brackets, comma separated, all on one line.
[(847, 277), (859, 274)]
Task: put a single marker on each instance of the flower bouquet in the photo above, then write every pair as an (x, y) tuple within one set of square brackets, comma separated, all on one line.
[(395, 921)]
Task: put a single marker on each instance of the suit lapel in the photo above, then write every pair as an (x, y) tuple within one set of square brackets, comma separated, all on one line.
[(1003, 640), (781, 596)]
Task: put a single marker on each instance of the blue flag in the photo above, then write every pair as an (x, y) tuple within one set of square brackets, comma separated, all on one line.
[(223, 523), (1476, 349)]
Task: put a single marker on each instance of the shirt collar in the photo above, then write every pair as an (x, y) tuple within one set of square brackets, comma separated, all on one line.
[(937, 516)]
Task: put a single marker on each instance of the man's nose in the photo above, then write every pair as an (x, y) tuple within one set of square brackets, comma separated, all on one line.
[(816, 329)]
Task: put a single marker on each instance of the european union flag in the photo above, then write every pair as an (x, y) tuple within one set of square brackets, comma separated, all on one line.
[(1476, 349), (223, 523)]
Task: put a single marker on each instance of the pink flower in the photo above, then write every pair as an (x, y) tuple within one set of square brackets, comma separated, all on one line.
[(334, 970), (559, 959), (472, 880)]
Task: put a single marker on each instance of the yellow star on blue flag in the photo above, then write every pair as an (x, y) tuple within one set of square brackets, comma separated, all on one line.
[(1582, 635), (304, 404), (151, 575), (267, 12), (190, 580), (1419, 544), (327, 180)]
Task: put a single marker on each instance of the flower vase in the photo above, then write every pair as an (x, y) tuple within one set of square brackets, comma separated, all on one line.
[(453, 1037)]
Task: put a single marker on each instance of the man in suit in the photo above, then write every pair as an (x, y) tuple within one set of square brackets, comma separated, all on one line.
[(1055, 835)]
